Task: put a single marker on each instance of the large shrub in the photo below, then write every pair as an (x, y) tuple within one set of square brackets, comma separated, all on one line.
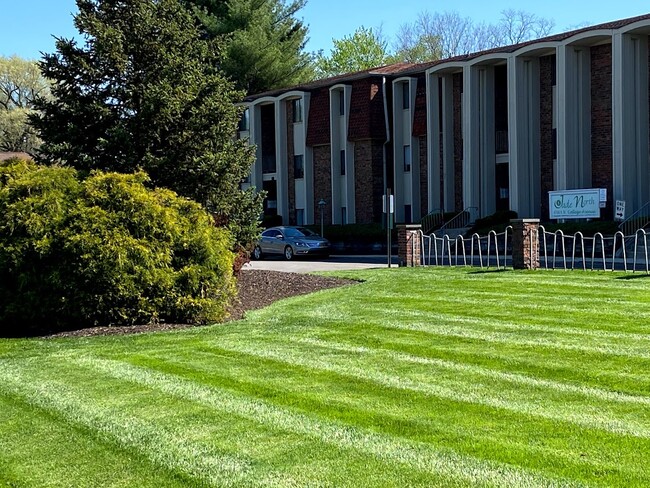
[(105, 250)]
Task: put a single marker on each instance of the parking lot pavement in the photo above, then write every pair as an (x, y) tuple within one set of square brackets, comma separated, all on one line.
[(332, 263)]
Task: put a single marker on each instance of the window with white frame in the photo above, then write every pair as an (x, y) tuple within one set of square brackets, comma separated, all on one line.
[(342, 161), (407, 158), (298, 166), (297, 110), (244, 121), (406, 96)]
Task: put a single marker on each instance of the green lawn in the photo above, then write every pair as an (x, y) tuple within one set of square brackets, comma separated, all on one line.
[(425, 377)]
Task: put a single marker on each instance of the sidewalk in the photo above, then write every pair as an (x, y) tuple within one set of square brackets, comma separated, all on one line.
[(333, 263)]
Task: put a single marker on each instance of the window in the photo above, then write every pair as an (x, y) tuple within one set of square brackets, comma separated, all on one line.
[(342, 162), (406, 96), (408, 218), (344, 215), (300, 216), (298, 167), (244, 121), (341, 102), (297, 110), (407, 159)]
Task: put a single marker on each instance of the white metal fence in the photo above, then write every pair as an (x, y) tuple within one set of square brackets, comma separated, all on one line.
[(618, 252), (556, 250), (481, 251)]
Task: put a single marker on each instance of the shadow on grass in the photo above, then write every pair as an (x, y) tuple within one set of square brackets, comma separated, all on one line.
[(635, 276), (489, 271)]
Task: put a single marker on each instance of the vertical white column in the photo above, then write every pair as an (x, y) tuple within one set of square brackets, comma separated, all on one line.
[(416, 213), (335, 148), (349, 160), (471, 138), (433, 142), (310, 212), (281, 159), (630, 119), (487, 141), (642, 124), (523, 135), (448, 171), (255, 138), (574, 118)]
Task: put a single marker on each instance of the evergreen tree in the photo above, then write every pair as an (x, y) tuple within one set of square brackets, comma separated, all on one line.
[(144, 91), (264, 41)]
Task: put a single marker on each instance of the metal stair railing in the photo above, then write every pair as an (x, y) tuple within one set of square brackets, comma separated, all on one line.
[(432, 220), (461, 220), (638, 220)]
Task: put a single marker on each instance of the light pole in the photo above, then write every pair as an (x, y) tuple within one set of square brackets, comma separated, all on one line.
[(321, 207)]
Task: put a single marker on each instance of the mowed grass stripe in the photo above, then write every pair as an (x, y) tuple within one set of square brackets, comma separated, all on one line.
[(164, 448), (548, 402), (497, 396), (585, 391), (496, 331), (416, 455), (547, 340), (537, 444), (617, 374)]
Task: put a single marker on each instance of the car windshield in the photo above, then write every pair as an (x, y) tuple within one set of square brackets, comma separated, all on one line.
[(299, 232)]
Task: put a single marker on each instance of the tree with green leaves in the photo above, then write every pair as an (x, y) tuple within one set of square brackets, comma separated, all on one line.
[(362, 50), (144, 91), (263, 41), (20, 83)]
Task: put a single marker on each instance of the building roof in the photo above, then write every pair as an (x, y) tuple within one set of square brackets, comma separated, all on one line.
[(616, 24), (390, 69), (409, 69)]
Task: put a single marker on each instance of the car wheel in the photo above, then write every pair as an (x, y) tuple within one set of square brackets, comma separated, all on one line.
[(288, 253), (257, 253)]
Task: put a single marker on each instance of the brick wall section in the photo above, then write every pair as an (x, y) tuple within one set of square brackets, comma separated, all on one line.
[(424, 172), (368, 180), (322, 181), (420, 109), (458, 141), (525, 243), (546, 129), (291, 183), (409, 245), (601, 122), (318, 126), (366, 120)]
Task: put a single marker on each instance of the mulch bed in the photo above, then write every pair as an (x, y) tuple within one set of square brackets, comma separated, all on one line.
[(257, 289)]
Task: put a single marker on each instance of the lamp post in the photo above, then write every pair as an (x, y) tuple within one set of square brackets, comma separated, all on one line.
[(321, 207)]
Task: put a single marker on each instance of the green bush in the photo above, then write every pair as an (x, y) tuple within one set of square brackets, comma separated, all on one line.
[(105, 250)]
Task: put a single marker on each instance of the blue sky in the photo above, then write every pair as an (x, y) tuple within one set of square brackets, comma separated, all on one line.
[(28, 25)]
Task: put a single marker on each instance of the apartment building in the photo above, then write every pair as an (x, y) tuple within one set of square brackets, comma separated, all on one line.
[(492, 130)]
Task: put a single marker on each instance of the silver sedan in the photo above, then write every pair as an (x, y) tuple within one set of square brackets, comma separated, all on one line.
[(291, 241)]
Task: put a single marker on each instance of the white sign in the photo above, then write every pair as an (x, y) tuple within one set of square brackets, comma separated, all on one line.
[(603, 197), (574, 204), (619, 214), (391, 203)]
